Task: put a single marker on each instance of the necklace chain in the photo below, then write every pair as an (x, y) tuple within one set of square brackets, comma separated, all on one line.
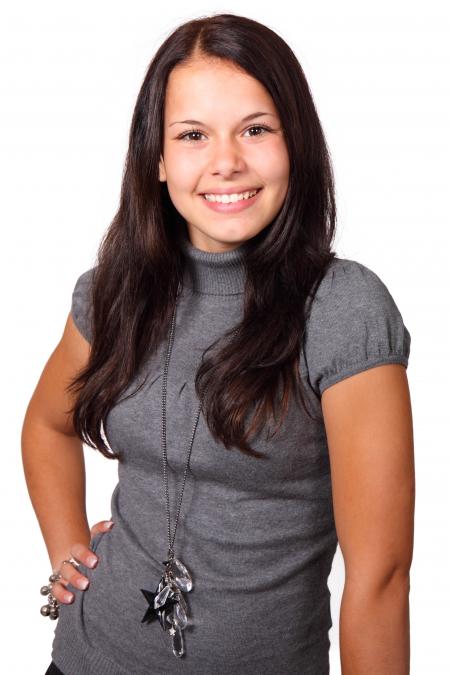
[(164, 438), (171, 540)]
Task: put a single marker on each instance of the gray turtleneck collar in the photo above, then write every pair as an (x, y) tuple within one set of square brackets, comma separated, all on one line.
[(214, 273)]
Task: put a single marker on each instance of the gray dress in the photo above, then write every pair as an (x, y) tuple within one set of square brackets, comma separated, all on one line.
[(258, 536)]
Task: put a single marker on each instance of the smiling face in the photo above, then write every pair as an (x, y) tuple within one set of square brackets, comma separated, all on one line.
[(222, 147)]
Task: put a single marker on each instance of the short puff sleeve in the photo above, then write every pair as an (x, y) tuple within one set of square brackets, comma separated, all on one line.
[(354, 324), (81, 308)]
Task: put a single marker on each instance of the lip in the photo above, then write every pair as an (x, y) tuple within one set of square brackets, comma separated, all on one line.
[(233, 207), (230, 191)]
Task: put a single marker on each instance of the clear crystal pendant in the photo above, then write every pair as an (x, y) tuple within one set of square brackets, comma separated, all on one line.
[(162, 597), (177, 617), (177, 641), (180, 574), (182, 602)]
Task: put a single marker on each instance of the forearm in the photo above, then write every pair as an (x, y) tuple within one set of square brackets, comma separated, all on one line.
[(374, 629), (56, 481)]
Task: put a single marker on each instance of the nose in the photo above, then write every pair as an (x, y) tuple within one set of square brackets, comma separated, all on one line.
[(226, 157)]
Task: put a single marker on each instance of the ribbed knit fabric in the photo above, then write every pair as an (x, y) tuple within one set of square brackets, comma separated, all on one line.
[(258, 536)]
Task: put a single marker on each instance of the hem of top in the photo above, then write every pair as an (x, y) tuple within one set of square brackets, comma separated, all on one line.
[(79, 324), (82, 658), (361, 367)]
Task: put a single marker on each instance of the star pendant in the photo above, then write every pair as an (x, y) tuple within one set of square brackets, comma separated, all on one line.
[(151, 612)]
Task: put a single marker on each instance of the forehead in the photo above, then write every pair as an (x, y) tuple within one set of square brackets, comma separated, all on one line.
[(205, 88)]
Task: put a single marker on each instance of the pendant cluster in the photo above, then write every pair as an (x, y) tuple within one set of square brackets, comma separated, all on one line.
[(168, 604)]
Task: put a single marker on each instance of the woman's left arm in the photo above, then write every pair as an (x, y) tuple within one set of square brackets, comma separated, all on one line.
[(369, 428)]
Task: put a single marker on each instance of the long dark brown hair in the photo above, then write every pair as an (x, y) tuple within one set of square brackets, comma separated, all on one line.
[(140, 262)]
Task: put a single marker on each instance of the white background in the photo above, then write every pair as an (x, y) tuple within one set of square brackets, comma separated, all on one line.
[(70, 74)]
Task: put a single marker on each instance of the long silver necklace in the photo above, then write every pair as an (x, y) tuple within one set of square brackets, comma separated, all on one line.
[(167, 602)]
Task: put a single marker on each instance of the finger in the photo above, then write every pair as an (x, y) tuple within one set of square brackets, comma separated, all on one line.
[(70, 575), (69, 571), (60, 592), (84, 555), (102, 526)]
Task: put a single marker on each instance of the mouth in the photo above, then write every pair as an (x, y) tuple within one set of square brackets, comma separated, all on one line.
[(232, 206), (225, 194)]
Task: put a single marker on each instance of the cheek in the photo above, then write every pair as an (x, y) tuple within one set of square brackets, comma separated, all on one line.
[(182, 170), (273, 163)]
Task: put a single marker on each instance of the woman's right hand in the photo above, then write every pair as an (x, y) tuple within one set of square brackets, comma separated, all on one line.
[(69, 573)]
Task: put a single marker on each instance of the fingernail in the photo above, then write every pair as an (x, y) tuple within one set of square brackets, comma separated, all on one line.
[(109, 523), (68, 597), (92, 561)]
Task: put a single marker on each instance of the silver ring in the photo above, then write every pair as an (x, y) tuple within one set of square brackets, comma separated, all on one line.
[(72, 561)]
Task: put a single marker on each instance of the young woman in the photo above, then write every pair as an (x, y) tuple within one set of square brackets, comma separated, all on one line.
[(251, 384)]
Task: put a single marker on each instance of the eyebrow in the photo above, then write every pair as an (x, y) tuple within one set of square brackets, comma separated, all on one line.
[(245, 119)]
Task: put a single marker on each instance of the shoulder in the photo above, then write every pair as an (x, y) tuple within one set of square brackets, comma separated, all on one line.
[(349, 280), (85, 278), (353, 323)]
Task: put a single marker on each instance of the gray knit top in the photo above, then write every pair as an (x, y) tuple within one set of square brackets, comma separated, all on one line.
[(258, 536)]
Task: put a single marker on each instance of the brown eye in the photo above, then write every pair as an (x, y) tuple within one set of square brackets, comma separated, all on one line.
[(189, 133), (260, 126)]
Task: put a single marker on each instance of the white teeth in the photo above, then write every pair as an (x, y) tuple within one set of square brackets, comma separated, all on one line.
[(229, 199)]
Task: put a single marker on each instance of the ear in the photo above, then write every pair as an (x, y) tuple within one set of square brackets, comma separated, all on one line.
[(162, 170)]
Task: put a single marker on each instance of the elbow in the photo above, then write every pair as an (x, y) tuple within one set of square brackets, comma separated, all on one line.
[(376, 581), (396, 576)]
